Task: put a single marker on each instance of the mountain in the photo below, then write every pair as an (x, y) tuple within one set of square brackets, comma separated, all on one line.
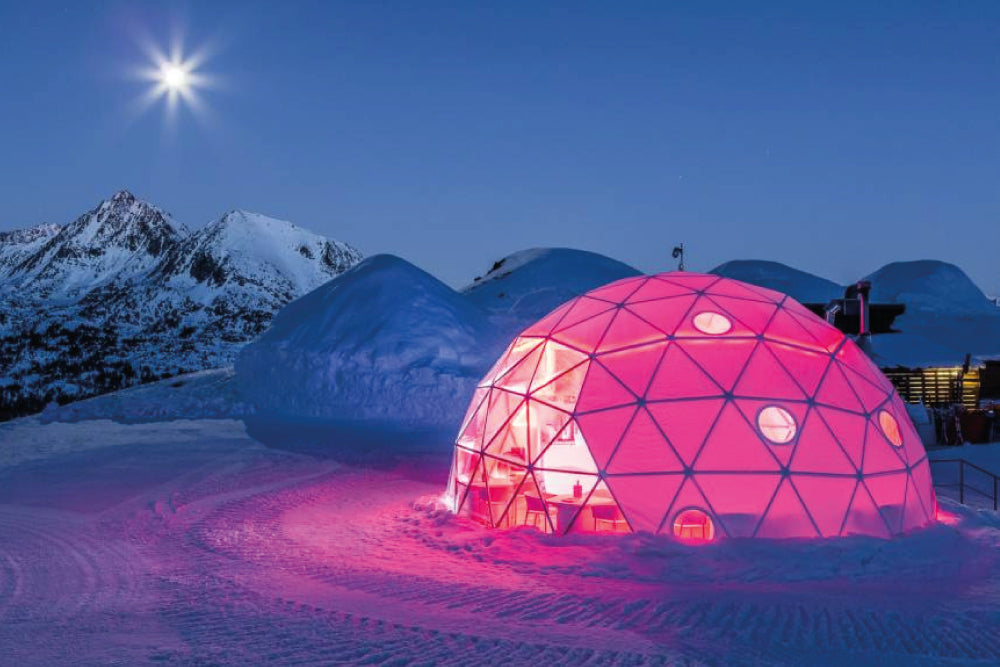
[(800, 285), (19, 244), (125, 294), (121, 238)]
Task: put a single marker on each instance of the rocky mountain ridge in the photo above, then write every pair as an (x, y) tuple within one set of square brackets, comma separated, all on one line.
[(125, 294)]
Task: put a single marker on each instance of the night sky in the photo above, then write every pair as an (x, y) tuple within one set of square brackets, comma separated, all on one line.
[(834, 138)]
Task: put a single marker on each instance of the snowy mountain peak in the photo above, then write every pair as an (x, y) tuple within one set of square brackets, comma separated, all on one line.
[(29, 235), (248, 248), (124, 294), (121, 236)]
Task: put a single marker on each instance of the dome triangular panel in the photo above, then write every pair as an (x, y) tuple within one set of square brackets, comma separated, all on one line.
[(646, 497)]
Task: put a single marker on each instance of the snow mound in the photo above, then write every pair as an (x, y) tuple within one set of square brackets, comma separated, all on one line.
[(943, 306), (384, 342), (800, 285), (929, 285), (527, 285)]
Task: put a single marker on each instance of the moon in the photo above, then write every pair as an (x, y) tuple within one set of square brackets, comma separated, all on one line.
[(174, 77)]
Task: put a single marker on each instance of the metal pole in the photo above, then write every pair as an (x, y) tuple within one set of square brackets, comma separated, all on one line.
[(961, 481)]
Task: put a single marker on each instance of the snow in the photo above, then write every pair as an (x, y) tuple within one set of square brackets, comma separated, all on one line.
[(912, 351), (523, 287), (188, 542), (946, 316), (124, 293), (943, 306), (801, 286), (929, 285), (384, 341), (208, 394), (262, 251)]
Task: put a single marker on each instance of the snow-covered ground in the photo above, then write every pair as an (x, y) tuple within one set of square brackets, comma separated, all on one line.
[(188, 542)]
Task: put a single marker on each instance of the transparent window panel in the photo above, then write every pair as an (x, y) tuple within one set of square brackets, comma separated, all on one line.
[(560, 466), (602, 513), (529, 506), (518, 378), (547, 426), (565, 495), (520, 348), (471, 434)]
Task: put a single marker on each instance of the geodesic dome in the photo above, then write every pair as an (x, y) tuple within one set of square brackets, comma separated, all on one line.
[(690, 405)]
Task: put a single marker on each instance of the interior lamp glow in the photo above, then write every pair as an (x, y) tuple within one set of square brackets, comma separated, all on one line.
[(694, 406)]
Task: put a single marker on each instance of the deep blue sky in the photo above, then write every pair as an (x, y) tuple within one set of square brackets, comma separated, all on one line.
[(831, 136)]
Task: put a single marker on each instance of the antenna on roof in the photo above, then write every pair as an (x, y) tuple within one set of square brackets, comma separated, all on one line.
[(679, 255)]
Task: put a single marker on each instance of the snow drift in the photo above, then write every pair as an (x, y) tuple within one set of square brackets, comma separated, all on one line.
[(528, 284), (943, 306), (384, 342), (802, 286)]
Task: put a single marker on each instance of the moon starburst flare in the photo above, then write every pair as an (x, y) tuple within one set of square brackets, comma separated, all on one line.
[(175, 78)]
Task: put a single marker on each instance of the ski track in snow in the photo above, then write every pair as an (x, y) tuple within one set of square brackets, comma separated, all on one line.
[(231, 553)]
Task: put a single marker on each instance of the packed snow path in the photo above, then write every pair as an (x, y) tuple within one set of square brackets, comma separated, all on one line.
[(188, 542)]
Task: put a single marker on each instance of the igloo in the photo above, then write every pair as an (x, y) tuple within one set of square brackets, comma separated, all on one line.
[(689, 405)]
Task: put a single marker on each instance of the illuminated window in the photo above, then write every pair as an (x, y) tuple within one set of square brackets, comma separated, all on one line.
[(890, 428), (694, 525), (776, 424), (711, 323)]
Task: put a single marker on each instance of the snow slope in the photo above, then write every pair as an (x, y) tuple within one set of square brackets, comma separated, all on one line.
[(19, 244), (943, 306), (800, 285), (384, 341), (523, 287), (929, 286), (187, 542)]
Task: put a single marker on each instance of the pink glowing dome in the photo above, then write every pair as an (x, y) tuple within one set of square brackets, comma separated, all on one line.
[(694, 406)]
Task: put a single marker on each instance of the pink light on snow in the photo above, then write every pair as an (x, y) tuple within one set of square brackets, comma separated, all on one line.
[(694, 406)]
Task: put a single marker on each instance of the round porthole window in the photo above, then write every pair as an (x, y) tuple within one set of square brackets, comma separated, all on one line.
[(890, 428), (694, 525), (776, 424), (711, 323)]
